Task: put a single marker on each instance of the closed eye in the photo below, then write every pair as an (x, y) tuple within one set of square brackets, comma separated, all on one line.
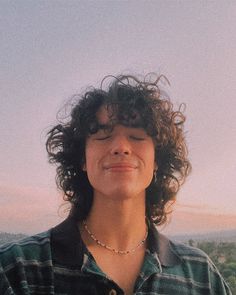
[(103, 137)]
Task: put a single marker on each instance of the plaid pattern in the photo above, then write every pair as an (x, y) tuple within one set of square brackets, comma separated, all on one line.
[(52, 263)]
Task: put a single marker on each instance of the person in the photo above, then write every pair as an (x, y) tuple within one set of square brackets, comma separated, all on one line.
[(121, 158)]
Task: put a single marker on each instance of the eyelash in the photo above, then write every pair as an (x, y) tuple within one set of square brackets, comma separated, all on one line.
[(103, 138), (137, 138)]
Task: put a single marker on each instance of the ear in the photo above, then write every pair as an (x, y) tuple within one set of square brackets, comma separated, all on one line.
[(155, 166), (84, 168), (83, 164)]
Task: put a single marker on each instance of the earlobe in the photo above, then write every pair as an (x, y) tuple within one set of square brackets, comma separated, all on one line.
[(84, 167), (155, 172)]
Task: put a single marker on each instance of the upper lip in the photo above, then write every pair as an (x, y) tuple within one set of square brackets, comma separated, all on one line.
[(120, 164)]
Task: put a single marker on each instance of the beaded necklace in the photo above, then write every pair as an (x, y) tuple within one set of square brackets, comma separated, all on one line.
[(124, 252)]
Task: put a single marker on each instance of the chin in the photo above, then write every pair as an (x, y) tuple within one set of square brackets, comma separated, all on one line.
[(122, 194)]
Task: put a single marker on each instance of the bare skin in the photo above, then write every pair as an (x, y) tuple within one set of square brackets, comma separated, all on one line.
[(122, 269), (119, 166)]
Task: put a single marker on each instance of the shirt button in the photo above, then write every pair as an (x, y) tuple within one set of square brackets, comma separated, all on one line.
[(112, 292)]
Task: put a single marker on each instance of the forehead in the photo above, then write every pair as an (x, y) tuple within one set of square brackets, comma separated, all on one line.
[(109, 116), (114, 114), (103, 115)]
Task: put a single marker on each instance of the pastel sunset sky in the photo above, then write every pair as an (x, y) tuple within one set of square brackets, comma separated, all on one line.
[(50, 50)]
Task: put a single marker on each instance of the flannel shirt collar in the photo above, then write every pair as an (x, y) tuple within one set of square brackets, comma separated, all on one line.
[(68, 248)]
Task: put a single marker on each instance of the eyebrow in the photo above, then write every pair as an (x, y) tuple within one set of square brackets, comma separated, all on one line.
[(104, 126)]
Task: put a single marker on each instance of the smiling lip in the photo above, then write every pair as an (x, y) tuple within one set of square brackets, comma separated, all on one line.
[(121, 167)]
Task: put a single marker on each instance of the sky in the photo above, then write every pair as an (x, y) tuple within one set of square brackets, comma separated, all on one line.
[(50, 50)]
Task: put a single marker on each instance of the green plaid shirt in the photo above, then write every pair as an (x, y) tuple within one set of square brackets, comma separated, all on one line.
[(57, 262)]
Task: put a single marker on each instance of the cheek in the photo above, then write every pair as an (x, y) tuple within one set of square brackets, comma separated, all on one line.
[(150, 166), (150, 156), (89, 156), (92, 162)]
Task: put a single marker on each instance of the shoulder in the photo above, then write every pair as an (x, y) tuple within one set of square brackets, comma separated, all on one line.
[(188, 252), (36, 247), (26, 264), (192, 256), (198, 266)]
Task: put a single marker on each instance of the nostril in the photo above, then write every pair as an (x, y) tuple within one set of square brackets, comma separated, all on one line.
[(117, 152)]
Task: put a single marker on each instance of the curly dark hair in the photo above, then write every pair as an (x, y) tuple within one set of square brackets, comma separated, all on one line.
[(134, 103)]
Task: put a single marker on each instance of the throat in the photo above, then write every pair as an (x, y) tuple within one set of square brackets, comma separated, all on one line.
[(110, 248)]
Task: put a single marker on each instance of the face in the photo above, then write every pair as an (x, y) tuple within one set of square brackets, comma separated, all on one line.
[(119, 164)]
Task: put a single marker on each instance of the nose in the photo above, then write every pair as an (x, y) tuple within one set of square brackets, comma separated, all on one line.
[(120, 146)]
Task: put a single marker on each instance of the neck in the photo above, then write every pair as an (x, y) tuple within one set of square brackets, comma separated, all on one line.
[(119, 224)]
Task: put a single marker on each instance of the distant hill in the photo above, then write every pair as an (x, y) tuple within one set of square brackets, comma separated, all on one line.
[(228, 236), (6, 237), (182, 222)]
